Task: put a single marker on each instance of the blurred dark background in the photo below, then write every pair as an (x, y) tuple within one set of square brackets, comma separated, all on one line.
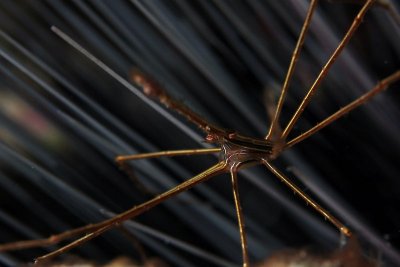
[(63, 120)]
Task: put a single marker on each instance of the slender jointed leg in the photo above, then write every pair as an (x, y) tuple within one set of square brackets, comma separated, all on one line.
[(171, 153), (270, 106), (123, 159), (240, 217), (386, 4), (357, 21), (382, 85), (296, 53), (94, 230), (54, 239), (74, 244), (343, 229), (45, 242)]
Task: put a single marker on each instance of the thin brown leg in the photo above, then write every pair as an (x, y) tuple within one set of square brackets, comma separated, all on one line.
[(270, 107), (296, 53), (326, 68), (343, 229), (52, 240), (73, 244), (382, 85), (123, 159), (390, 8), (94, 230), (171, 153), (240, 217)]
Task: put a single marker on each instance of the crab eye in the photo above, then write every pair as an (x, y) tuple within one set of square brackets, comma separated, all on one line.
[(211, 137), (232, 135)]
